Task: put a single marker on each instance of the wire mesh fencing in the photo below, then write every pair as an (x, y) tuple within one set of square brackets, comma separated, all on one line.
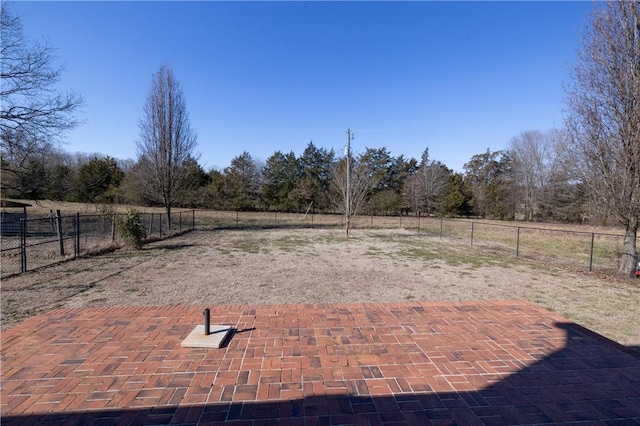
[(210, 219), (29, 244), (576, 250), (33, 243)]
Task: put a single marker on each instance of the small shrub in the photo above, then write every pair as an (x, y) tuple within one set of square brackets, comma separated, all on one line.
[(131, 228)]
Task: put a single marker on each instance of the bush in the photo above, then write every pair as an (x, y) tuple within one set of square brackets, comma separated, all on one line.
[(131, 228)]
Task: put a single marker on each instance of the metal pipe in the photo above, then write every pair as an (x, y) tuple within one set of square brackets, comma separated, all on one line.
[(207, 322)]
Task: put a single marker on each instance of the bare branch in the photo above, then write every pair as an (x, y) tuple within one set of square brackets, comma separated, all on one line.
[(360, 185), (604, 114), (28, 74)]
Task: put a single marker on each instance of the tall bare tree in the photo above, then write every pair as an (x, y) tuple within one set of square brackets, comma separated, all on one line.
[(166, 142), (604, 115)]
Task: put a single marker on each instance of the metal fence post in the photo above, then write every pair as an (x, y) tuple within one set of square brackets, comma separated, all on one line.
[(400, 221), (160, 223), (237, 219), (150, 224), (193, 219), (78, 233), (60, 234), (441, 220), (419, 222), (518, 243), (591, 253), (471, 233), (113, 227), (23, 245), (275, 219), (180, 221)]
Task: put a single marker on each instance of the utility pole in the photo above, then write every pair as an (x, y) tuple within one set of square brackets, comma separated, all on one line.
[(348, 194)]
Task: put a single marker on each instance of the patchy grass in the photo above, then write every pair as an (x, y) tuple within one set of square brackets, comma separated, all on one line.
[(434, 254), (291, 243), (320, 266), (250, 245)]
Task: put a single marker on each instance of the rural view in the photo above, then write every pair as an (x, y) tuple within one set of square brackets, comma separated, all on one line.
[(358, 284)]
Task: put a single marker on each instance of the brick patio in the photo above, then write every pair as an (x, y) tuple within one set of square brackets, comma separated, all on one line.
[(380, 363)]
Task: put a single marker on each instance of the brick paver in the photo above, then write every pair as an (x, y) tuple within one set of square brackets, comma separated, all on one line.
[(370, 363)]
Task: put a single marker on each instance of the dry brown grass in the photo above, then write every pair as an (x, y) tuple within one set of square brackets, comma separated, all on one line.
[(319, 266), (41, 208)]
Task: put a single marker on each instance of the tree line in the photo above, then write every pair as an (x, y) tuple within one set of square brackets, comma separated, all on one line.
[(531, 181)]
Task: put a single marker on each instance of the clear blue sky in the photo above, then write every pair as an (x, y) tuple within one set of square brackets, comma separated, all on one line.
[(457, 77)]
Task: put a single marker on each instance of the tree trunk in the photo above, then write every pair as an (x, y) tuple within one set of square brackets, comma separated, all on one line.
[(629, 257), (168, 207)]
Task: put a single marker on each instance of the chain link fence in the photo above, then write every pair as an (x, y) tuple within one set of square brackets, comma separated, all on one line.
[(29, 244), (576, 250), (212, 219)]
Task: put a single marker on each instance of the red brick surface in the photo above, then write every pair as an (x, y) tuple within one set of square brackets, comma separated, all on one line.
[(382, 363)]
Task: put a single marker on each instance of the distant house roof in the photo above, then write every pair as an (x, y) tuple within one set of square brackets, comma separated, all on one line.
[(9, 203)]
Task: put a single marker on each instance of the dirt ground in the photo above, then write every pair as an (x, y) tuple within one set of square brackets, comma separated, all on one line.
[(319, 266)]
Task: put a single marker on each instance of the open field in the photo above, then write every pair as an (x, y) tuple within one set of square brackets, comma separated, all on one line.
[(319, 266), (579, 247)]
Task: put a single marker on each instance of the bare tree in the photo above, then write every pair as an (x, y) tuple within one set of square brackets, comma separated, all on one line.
[(166, 142), (428, 185), (541, 164), (604, 115), (31, 109), (24, 167), (354, 189), (560, 196), (32, 114)]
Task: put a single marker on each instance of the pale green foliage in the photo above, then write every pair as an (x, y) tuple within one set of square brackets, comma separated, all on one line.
[(131, 228)]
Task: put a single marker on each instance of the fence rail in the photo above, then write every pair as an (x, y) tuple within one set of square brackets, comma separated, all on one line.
[(29, 244)]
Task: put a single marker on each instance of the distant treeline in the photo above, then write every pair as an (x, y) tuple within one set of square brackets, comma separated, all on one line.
[(533, 180)]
